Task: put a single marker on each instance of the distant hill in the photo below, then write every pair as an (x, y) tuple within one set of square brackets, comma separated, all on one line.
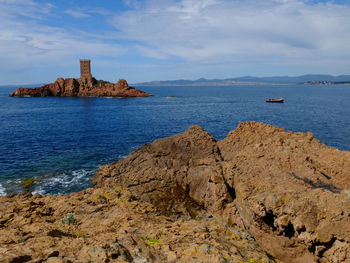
[(22, 85), (246, 80)]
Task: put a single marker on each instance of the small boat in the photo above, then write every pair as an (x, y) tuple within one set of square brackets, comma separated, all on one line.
[(275, 100)]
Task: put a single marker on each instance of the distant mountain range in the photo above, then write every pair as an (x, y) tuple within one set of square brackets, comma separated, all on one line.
[(317, 79), (305, 79)]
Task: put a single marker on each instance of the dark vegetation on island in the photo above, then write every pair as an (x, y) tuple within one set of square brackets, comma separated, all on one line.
[(326, 82), (260, 195)]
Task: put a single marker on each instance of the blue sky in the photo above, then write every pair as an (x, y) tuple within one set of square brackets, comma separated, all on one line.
[(172, 39)]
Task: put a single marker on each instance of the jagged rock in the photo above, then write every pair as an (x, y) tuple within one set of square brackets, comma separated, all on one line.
[(71, 87), (288, 190), (189, 198), (291, 191), (172, 173), (112, 226)]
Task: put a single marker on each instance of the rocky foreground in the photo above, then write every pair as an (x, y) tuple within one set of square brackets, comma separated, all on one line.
[(260, 195), (82, 87)]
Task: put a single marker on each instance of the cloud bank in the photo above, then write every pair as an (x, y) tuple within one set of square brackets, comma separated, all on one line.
[(232, 30), (166, 39), (26, 39)]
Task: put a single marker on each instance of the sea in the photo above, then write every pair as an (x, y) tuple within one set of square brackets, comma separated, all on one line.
[(61, 142)]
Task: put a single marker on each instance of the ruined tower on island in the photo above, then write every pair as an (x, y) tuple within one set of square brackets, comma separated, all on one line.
[(84, 86), (85, 68)]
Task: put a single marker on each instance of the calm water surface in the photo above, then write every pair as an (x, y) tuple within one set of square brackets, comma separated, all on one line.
[(62, 141)]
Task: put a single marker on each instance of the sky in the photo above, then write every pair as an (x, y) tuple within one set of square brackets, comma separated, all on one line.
[(145, 40)]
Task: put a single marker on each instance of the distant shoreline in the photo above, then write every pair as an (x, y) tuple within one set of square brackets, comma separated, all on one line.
[(209, 84), (251, 80), (241, 84)]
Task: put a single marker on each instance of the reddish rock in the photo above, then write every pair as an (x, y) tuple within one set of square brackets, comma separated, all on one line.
[(71, 87)]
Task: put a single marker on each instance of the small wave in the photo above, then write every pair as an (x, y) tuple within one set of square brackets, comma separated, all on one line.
[(121, 157), (64, 183), (2, 190)]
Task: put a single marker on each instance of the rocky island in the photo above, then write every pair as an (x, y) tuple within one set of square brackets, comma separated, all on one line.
[(261, 195), (86, 86)]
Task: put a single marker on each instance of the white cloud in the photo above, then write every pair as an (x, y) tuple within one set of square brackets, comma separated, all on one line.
[(185, 38), (232, 30), (75, 14), (18, 2), (25, 40), (23, 9)]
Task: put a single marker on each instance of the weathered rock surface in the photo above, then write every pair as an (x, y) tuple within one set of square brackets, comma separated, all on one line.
[(81, 87), (110, 225), (288, 190), (261, 195)]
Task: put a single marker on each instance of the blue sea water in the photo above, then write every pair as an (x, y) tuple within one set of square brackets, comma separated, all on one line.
[(62, 141)]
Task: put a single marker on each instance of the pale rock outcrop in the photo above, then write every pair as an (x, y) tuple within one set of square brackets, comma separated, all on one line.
[(262, 194), (288, 190), (111, 225), (172, 170)]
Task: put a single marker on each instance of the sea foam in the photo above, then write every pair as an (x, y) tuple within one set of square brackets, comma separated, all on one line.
[(2, 190), (65, 182)]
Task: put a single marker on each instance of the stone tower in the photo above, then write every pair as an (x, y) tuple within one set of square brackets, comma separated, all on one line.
[(85, 69)]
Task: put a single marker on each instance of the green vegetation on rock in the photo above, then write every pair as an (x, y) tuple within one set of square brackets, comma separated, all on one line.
[(150, 241), (26, 184), (5, 219), (69, 219)]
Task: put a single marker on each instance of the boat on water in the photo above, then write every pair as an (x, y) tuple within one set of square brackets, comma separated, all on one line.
[(275, 100)]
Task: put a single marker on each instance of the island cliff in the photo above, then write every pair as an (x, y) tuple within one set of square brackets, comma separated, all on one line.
[(85, 86), (260, 195), (88, 87)]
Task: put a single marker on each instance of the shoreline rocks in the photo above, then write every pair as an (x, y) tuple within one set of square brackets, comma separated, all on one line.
[(112, 225), (262, 194), (82, 87), (287, 189)]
